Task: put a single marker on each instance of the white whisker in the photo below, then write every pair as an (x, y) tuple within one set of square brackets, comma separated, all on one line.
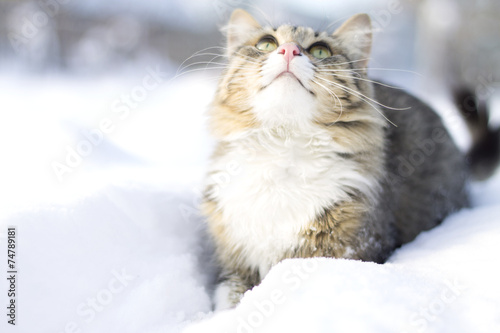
[(342, 63), (366, 80), (370, 68), (334, 95), (366, 99)]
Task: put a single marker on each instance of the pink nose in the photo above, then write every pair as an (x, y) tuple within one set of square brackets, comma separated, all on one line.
[(289, 50)]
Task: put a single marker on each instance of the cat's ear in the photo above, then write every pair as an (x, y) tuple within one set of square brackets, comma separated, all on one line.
[(240, 25), (356, 34)]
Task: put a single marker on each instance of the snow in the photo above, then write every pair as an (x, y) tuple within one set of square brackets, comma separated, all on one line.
[(118, 245)]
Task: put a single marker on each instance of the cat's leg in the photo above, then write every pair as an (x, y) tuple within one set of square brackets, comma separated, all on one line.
[(230, 290)]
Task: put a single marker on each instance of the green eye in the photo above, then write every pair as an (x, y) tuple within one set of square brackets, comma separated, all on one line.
[(320, 51), (267, 44)]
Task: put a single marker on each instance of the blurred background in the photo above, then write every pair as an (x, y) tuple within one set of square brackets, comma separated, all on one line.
[(444, 40), (67, 66)]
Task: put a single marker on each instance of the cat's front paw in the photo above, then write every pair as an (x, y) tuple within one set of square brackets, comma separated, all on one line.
[(229, 292), (224, 297)]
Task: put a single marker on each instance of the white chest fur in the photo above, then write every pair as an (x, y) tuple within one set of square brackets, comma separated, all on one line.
[(271, 186)]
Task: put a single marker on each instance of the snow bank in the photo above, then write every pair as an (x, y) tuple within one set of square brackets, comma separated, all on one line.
[(116, 244), (123, 259)]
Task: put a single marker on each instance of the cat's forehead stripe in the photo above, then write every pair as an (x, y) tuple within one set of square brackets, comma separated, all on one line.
[(300, 35)]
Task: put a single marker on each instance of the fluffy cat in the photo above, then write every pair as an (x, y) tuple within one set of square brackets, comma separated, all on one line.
[(314, 159)]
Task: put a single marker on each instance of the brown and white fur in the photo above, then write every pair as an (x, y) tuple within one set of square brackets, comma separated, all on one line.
[(307, 163)]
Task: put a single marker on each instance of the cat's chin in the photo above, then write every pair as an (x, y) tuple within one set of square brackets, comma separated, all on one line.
[(285, 102)]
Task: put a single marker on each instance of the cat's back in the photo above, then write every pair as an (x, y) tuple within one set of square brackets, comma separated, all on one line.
[(427, 173)]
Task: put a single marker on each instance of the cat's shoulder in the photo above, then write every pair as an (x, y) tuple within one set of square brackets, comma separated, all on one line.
[(403, 108)]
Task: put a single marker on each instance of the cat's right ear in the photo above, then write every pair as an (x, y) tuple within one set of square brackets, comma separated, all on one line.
[(356, 33), (240, 25)]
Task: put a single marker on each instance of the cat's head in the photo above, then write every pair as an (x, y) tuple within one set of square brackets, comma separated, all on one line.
[(291, 77)]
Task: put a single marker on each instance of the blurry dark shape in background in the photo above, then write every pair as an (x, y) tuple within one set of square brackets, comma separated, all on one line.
[(485, 152), (460, 43), (453, 43)]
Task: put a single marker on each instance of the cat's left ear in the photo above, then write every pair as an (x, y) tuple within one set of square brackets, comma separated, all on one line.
[(240, 25), (356, 35)]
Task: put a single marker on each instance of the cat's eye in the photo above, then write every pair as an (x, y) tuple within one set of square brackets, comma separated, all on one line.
[(267, 44), (320, 51)]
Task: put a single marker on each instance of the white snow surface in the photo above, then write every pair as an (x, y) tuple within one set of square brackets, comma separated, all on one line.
[(117, 244)]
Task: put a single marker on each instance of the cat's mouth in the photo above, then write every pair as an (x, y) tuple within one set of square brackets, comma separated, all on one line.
[(288, 74)]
